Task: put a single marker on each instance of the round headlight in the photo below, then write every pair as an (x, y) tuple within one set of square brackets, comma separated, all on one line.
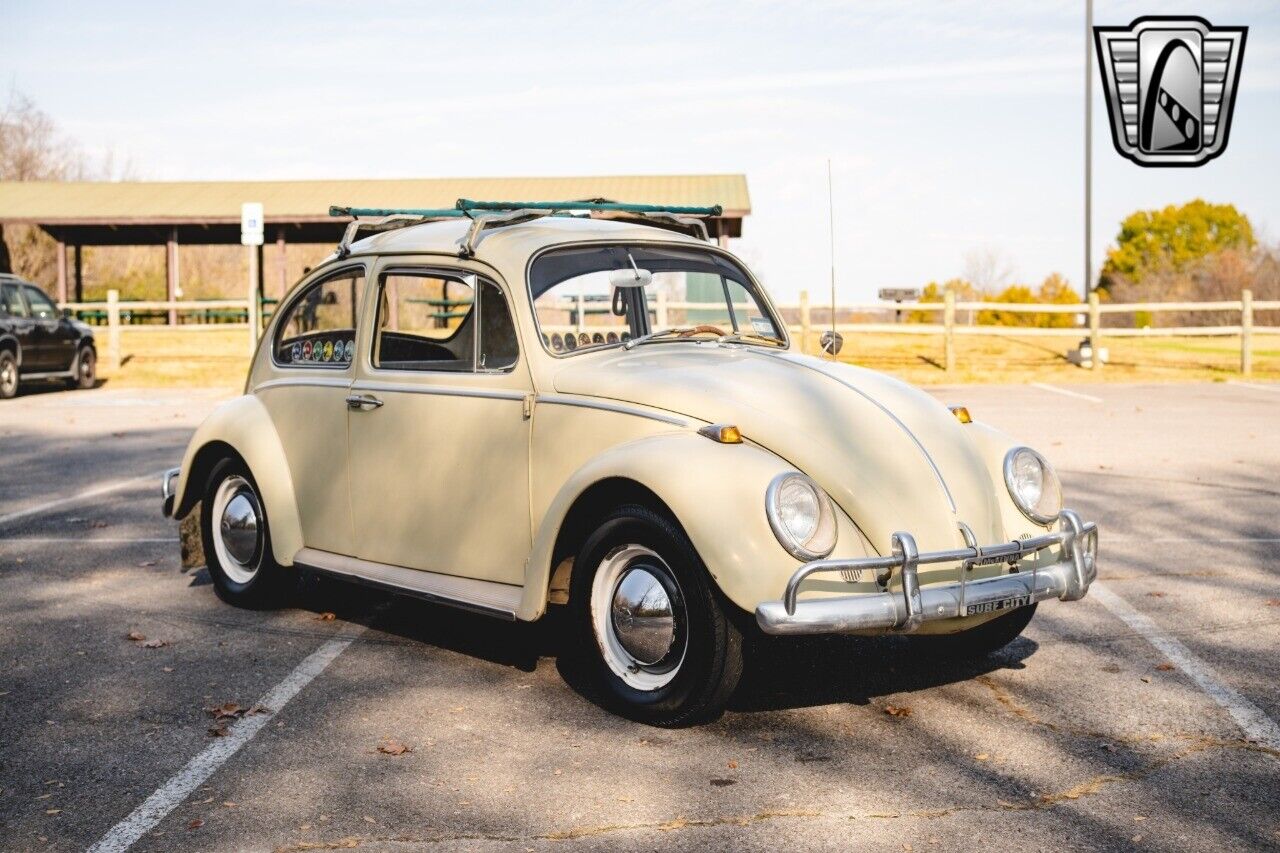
[(801, 515), (1033, 485)]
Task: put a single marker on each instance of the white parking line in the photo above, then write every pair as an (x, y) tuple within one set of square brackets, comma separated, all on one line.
[(96, 491), (1274, 389), (1045, 387), (1257, 726), (126, 833), (1192, 539)]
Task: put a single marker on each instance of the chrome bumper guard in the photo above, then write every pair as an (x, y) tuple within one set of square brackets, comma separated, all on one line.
[(168, 484), (904, 610)]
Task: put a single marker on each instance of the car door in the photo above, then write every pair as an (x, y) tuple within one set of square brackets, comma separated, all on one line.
[(312, 349), (18, 319), (440, 445), (53, 351)]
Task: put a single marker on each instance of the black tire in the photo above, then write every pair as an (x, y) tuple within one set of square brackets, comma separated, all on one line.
[(983, 640), (710, 660), (8, 375), (84, 370), (257, 582)]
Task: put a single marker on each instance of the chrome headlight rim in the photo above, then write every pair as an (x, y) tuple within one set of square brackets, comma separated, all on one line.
[(1051, 477), (826, 526)]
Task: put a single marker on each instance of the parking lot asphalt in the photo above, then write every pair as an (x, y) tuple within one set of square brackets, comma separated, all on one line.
[(1142, 717)]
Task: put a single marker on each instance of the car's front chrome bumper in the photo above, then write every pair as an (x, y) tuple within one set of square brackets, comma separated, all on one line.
[(168, 490), (906, 608)]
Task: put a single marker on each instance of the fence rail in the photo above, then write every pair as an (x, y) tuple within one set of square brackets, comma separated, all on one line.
[(1090, 314)]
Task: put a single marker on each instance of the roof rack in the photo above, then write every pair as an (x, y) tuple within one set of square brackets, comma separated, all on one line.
[(488, 215)]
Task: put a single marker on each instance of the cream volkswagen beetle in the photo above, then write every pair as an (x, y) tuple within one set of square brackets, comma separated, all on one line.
[(506, 407)]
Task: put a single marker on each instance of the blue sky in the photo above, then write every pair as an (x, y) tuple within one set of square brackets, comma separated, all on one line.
[(955, 128)]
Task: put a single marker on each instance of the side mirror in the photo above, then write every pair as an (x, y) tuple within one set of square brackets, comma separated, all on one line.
[(66, 313), (630, 278), (832, 342)]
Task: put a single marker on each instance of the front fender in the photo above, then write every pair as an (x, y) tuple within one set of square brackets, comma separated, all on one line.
[(244, 425), (716, 492)]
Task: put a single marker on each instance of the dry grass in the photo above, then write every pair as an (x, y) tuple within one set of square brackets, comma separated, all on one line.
[(219, 358)]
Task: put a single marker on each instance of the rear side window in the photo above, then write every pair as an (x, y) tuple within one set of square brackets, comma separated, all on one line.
[(42, 307), (11, 301), (319, 326)]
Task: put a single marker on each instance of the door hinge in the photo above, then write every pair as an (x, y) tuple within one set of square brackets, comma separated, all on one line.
[(528, 406)]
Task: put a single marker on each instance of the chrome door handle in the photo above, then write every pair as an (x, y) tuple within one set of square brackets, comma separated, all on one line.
[(363, 402)]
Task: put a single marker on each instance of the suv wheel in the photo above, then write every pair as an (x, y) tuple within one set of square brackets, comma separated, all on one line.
[(649, 627), (237, 539), (8, 375), (85, 369)]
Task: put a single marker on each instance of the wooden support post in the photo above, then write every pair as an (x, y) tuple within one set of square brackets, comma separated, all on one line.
[(171, 273), (62, 272), (79, 276), (262, 281), (252, 312), (1095, 332), (949, 329), (660, 312), (804, 321), (1246, 332), (282, 263), (113, 329)]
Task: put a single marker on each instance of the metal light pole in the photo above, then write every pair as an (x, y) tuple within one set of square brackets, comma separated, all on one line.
[(1088, 148)]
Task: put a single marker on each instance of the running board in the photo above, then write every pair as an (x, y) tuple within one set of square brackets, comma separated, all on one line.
[(485, 597)]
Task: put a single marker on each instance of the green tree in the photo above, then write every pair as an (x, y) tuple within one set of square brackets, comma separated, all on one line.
[(1169, 240)]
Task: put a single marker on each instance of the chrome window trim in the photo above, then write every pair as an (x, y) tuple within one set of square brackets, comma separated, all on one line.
[(460, 275), (662, 244), (605, 406), (319, 278), (937, 472)]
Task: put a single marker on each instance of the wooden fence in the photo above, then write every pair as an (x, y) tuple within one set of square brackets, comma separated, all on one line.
[(805, 330)]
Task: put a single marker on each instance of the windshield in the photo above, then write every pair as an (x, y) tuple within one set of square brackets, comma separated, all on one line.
[(694, 292)]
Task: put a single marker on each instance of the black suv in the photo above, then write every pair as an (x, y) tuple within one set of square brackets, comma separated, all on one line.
[(39, 342)]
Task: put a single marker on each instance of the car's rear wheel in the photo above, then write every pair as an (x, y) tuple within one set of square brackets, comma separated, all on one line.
[(984, 639), (650, 629), (85, 369), (8, 375), (237, 539)]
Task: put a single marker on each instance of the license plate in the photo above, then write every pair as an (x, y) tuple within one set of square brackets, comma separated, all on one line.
[(994, 606)]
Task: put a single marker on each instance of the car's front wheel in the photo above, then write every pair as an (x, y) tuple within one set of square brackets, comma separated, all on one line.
[(84, 372), (237, 539), (650, 629), (8, 375)]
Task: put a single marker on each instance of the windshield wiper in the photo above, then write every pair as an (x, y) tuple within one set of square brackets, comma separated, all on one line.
[(645, 338), (747, 337)]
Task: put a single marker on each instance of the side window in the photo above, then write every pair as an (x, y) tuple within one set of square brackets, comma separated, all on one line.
[(42, 307), (11, 301), (319, 327), (499, 349), (425, 322)]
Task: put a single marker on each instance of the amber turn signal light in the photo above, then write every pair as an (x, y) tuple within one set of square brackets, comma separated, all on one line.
[(961, 413), (723, 433)]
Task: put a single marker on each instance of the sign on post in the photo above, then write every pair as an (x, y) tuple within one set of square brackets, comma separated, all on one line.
[(899, 294), (251, 234)]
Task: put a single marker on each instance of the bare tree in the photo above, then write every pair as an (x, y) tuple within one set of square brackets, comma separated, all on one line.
[(988, 271)]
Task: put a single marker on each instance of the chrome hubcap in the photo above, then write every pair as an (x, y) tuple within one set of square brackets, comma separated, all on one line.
[(642, 616), (7, 376), (239, 535), (639, 617)]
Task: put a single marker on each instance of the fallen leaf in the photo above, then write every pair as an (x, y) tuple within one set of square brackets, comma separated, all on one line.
[(53, 811), (136, 636), (722, 783), (155, 644), (1145, 680), (895, 711), (227, 711), (1137, 838), (395, 747), (1273, 602), (167, 668), (195, 824), (1139, 817), (146, 563), (1111, 667), (326, 616), (733, 765), (218, 731), (229, 804), (982, 756), (369, 819), (1164, 667), (1156, 594)]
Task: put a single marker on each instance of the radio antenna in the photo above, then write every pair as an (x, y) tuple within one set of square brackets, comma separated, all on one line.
[(831, 219)]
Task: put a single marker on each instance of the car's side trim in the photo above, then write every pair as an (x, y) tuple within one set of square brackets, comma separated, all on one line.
[(937, 472), (303, 382), (487, 597), (50, 374), (442, 390), (606, 406)]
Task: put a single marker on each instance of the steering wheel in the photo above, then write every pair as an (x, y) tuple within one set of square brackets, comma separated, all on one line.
[(702, 330)]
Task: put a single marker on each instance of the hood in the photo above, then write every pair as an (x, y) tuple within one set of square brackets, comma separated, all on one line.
[(890, 455)]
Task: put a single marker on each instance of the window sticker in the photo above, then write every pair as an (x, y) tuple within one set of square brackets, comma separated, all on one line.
[(306, 350)]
